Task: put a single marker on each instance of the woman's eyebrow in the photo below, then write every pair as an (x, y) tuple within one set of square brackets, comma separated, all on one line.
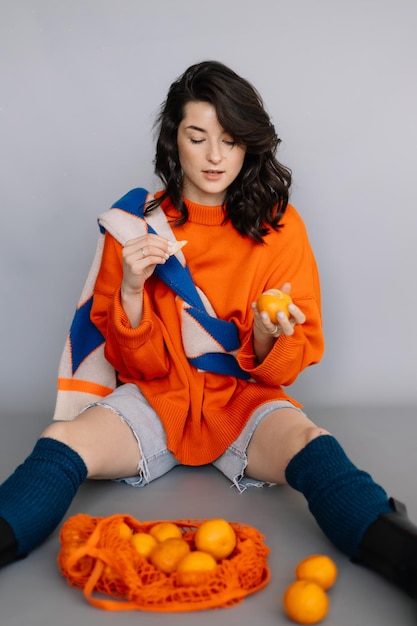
[(192, 127)]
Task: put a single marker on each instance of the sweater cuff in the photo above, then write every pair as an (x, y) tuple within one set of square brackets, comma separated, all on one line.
[(124, 333), (277, 365)]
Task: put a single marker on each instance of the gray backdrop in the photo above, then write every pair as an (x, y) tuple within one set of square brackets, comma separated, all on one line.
[(80, 84)]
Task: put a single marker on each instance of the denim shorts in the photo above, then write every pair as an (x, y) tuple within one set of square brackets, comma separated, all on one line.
[(128, 402)]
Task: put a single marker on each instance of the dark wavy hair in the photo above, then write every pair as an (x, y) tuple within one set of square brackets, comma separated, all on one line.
[(257, 198)]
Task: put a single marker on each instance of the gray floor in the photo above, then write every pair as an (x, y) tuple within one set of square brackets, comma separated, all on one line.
[(383, 441)]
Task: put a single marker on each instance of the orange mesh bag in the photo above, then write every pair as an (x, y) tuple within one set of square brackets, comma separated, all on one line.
[(101, 560)]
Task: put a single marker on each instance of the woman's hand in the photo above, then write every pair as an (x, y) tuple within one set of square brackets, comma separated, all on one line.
[(266, 332), (140, 257)]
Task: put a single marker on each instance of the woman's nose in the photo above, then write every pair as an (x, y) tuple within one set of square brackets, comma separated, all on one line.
[(214, 154)]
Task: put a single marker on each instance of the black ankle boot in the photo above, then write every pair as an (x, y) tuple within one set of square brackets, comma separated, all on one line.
[(389, 547), (8, 543)]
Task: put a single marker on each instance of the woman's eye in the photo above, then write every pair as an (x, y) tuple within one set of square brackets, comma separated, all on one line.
[(196, 140), (229, 142)]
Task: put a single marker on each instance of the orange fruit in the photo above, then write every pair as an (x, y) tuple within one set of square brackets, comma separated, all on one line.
[(273, 301), (144, 543), (305, 602), (110, 575), (125, 531), (217, 537), (193, 568), (167, 554), (165, 530), (318, 568)]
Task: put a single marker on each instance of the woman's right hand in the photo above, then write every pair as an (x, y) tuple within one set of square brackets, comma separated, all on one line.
[(140, 257)]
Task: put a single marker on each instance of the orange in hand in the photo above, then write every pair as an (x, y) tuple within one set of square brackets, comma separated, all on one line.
[(273, 301), (193, 568), (217, 537), (318, 568), (305, 602), (168, 554)]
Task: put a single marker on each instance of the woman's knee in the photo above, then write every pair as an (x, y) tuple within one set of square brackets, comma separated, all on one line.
[(70, 434), (277, 439), (311, 433), (104, 441), (58, 431)]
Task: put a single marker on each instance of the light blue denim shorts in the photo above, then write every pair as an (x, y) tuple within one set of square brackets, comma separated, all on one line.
[(130, 405)]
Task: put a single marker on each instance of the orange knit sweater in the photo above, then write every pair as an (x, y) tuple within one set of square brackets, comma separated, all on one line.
[(203, 412)]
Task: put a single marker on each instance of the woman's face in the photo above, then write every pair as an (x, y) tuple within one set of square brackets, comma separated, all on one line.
[(209, 157)]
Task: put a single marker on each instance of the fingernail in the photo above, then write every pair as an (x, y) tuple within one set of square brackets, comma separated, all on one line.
[(281, 315), (291, 307)]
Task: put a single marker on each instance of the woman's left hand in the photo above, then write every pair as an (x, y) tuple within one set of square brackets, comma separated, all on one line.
[(266, 332)]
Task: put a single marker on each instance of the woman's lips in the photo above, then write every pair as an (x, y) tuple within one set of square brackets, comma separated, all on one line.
[(213, 174)]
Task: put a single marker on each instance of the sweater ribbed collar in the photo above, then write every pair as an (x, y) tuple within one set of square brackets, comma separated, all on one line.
[(206, 215), (197, 213)]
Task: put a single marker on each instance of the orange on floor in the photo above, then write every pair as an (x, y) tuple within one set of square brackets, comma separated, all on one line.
[(318, 568), (305, 602)]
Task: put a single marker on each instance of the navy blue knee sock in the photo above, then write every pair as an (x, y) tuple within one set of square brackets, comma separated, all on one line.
[(34, 499), (344, 500)]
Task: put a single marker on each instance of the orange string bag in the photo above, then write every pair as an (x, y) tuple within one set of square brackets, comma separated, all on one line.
[(97, 558)]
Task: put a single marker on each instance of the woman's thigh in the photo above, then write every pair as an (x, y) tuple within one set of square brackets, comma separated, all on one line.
[(278, 437), (104, 441)]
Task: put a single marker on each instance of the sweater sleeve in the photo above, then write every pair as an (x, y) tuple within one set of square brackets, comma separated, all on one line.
[(291, 260), (289, 355), (127, 349)]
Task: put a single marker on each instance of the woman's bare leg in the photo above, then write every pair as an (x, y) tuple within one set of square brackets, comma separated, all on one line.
[(35, 498), (103, 440), (277, 439), (353, 511)]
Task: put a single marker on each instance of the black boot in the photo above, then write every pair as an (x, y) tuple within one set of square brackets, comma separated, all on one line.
[(8, 543), (389, 547)]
